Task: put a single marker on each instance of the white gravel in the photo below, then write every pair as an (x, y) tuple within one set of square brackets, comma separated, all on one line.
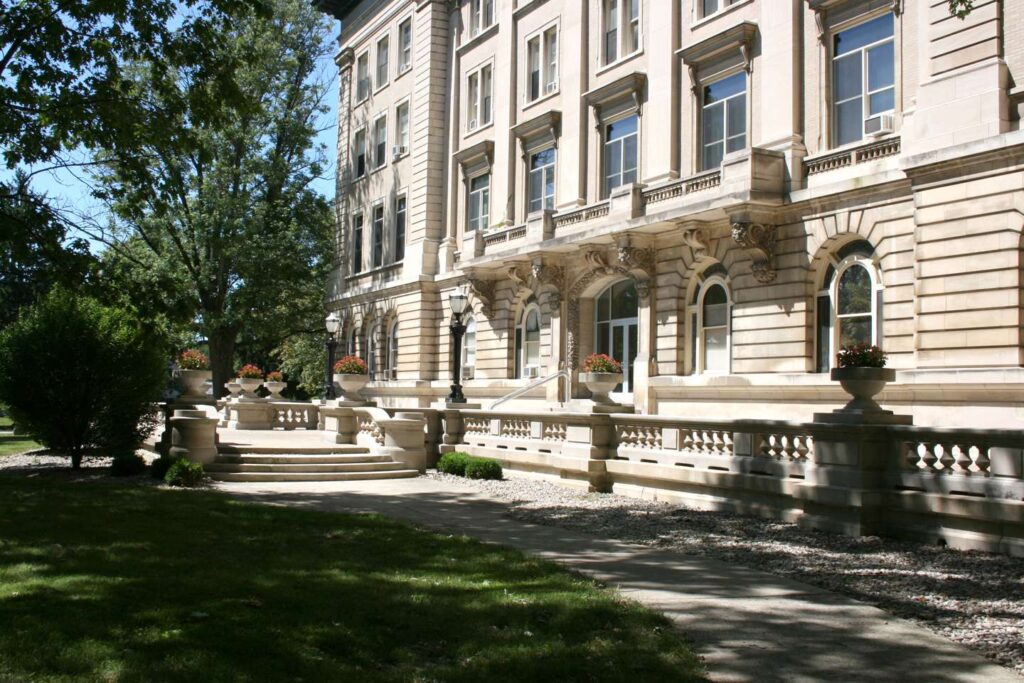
[(974, 599)]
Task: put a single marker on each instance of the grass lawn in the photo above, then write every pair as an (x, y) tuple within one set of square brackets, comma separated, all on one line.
[(11, 444), (5, 423), (103, 581)]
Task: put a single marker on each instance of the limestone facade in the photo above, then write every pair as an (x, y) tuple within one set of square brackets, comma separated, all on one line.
[(717, 199)]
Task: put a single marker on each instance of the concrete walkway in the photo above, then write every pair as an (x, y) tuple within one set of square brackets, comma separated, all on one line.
[(748, 625)]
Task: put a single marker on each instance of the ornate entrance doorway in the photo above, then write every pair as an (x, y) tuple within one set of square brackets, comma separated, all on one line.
[(615, 328)]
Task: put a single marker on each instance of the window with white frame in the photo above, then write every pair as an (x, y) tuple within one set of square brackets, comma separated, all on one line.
[(620, 152), (362, 76), (357, 243), (402, 129), (849, 306), (405, 46), (713, 328), (400, 218), (723, 119), (378, 236), (478, 210), (383, 59), (542, 64), (708, 7), (621, 29), (350, 342), (479, 103), (380, 141), (541, 181), (359, 153), (391, 354), (469, 349), (372, 344), (481, 16), (528, 342), (863, 80)]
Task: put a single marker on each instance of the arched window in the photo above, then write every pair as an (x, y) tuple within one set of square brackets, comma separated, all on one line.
[(712, 325), (391, 372), (849, 306), (372, 342), (615, 327), (350, 342), (528, 342), (469, 349)]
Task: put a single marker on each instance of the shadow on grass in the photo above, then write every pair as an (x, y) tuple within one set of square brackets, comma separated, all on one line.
[(142, 584)]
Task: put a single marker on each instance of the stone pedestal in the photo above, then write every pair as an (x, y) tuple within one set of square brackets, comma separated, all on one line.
[(402, 437), (338, 421), (589, 406), (194, 436), (248, 414)]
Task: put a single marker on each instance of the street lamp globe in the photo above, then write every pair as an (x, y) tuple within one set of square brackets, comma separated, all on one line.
[(458, 300), (333, 323)]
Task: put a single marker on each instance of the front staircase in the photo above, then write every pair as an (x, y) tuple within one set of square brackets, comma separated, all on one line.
[(342, 462)]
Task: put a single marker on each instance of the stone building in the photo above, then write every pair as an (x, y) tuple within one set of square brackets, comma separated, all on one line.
[(718, 193)]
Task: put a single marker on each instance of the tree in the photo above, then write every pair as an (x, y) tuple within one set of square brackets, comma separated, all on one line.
[(222, 198), (961, 8), (81, 376)]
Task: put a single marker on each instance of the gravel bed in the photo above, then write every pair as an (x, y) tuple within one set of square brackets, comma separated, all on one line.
[(975, 599)]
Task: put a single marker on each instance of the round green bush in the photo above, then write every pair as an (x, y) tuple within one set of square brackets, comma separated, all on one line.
[(185, 473), (127, 465), (82, 377), (453, 463), (483, 468), (158, 469)]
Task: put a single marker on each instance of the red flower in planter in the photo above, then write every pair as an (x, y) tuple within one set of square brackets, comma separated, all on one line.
[(601, 362)]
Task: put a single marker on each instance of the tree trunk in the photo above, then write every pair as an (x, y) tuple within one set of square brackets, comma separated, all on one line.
[(222, 357), (76, 459)]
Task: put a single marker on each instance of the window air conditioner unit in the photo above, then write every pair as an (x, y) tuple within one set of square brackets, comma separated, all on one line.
[(472, 124), (392, 373), (883, 124), (399, 150), (550, 88), (532, 372), (468, 373)]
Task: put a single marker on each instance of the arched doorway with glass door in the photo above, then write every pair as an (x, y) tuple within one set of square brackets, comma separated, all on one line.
[(615, 329)]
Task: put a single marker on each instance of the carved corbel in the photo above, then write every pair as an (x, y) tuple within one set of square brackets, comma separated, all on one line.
[(547, 274), (637, 258), (758, 239), (897, 7), (596, 261), (697, 238), (483, 290), (820, 25), (745, 53), (517, 276), (694, 81)]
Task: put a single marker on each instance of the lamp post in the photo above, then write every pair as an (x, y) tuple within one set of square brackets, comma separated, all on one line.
[(458, 301), (333, 324)]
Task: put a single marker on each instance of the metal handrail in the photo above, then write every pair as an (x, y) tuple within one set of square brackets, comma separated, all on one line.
[(533, 385)]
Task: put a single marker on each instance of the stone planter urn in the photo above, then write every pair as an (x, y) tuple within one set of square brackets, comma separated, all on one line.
[(192, 381), (863, 384), (600, 383), (275, 389), (249, 386), (351, 385), (234, 388)]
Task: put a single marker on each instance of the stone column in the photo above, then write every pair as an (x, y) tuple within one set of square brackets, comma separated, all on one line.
[(193, 436), (646, 330)]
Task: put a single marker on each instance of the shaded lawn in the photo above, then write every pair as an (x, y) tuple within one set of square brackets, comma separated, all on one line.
[(5, 423), (11, 444), (100, 581)]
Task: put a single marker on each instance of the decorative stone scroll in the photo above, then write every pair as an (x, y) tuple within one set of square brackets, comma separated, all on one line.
[(697, 239), (483, 290), (758, 239)]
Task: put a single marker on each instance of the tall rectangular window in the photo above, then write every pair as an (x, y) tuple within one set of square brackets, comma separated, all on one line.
[(533, 68), (378, 236), (362, 77), (380, 141), (611, 31), (863, 80), (542, 181), (478, 109), (631, 37), (402, 128), (357, 243), (551, 60), (405, 45), (479, 202), (481, 16), (723, 119), (400, 214), (709, 7), (621, 29), (542, 64), (383, 57), (359, 153), (620, 153)]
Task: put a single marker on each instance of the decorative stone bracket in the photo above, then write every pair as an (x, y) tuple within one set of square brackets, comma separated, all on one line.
[(758, 239)]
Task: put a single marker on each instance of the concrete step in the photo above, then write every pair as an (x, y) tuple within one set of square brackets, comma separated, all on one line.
[(299, 459), (379, 466), (312, 476), (325, 449)]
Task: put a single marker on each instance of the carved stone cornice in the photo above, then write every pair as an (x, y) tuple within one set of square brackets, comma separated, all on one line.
[(758, 240)]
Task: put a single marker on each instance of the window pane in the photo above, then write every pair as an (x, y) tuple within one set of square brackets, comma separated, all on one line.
[(716, 305), (716, 351), (880, 67), (624, 300), (736, 111), (713, 156), (536, 178), (713, 123), (854, 330), (603, 343), (849, 122), (709, 7), (855, 291), (549, 188), (719, 90), (533, 68), (619, 129), (485, 209), (551, 76), (604, 306), (629, 160), (485, 88), (881, 101), (864, 34), (533, 325), (847, 78), (612, 165)]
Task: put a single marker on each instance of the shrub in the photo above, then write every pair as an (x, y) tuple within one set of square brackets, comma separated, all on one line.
[(249, 371), (453, 463), (599, 362), (185, 473), (351, 365), (127, 465), (193, 359), (861, 356), (158, 470), (81, 376), (275, 376), (483, 468)]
